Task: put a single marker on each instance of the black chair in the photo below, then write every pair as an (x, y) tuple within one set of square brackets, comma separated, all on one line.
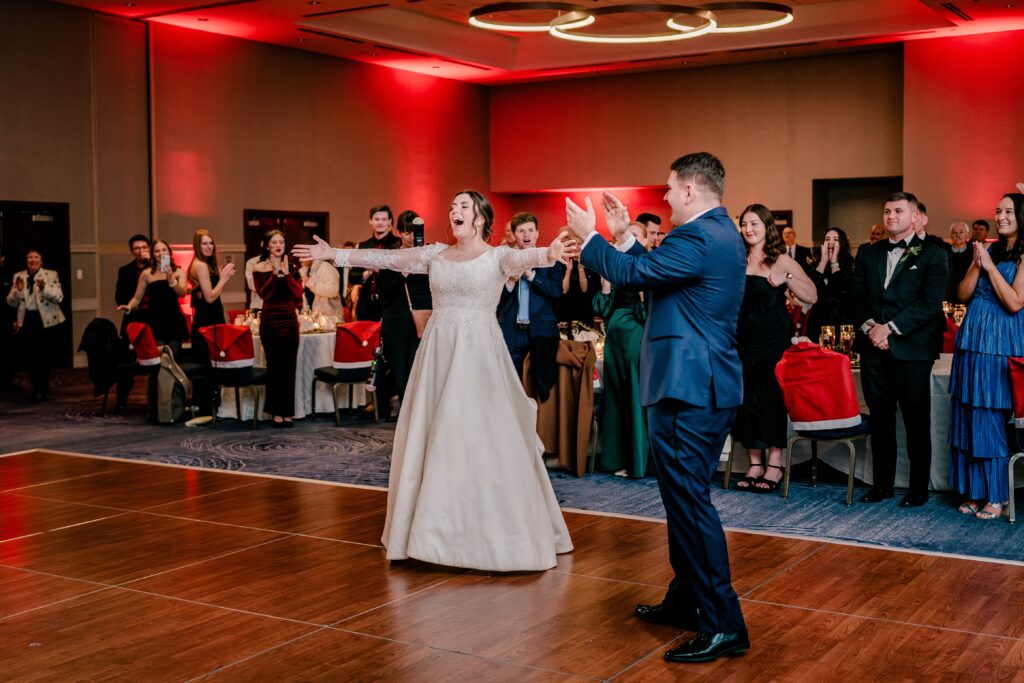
[(111, 361), (1017, 381), (232, 361), (354, 347)]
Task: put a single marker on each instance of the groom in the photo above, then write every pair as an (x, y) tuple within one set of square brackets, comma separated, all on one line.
[(690, 385)]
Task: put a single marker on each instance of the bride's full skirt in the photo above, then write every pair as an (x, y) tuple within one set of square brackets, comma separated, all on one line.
[(468, 486)]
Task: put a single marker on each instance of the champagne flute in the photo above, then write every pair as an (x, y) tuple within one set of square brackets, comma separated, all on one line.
[(827, 339)]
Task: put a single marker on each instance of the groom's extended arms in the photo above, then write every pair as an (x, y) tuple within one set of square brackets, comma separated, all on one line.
[(681, 257)]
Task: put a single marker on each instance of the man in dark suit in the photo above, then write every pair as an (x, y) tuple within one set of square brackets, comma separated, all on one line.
[(961, 255), (526, 309), (128, 276), (797, 252), (898, 287), (690, 386), (369, 306)]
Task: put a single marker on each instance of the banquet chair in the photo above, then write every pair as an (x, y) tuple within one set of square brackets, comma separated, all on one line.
[(820, 397), (233, 359), (109, 359), (1017, 382), (354, 347)]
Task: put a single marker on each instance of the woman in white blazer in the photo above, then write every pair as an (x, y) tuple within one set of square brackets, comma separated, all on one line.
[(36, 293)]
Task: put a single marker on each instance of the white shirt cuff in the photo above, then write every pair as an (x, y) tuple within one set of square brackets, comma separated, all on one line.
[(627, 245), (868, 324), (586, 240)]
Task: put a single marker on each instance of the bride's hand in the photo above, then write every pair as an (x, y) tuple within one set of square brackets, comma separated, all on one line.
[(321, 251), (563, 249)]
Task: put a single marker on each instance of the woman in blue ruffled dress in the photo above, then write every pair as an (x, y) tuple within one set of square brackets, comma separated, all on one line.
[(979, 386)]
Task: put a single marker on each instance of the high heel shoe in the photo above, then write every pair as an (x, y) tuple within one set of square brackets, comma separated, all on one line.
[(749, 483), (767, 485), (987, 515)]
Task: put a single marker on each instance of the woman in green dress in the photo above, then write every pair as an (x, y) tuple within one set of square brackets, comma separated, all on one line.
[(624, 429)]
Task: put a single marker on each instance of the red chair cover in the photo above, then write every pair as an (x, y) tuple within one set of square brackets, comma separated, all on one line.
[(949, 336), (230, 345), (1017, 380), (140, 339), (354, 344), (817, 388)]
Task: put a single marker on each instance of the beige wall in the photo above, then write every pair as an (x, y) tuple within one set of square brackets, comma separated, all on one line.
[(73, 129), (964, 125), (775, 125)]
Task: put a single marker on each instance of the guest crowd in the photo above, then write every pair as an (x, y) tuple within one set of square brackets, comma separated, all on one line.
[(891, 289)]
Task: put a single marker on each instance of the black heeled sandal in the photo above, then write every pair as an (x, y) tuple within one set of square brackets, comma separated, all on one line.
[(747, 483), (769, 485)]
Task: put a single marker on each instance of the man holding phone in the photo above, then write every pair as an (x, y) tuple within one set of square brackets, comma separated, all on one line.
[(128, 275)]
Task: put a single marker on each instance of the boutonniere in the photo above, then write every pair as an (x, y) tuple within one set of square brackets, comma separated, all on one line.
[(913, 251)]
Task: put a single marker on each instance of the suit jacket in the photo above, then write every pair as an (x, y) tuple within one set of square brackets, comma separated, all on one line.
[(695, 283), (959, 264), (912, 301), (47, 299), (368, 307), (127, 281), (545, 290)]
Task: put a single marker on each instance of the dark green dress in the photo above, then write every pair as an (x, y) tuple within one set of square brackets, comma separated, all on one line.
[(624, 428)]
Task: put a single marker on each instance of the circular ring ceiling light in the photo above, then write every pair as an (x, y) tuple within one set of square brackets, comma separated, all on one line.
[(572, 16), (678, 31), (785, 12)]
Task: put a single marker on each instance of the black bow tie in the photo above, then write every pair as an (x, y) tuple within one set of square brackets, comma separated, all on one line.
[(893, 246)]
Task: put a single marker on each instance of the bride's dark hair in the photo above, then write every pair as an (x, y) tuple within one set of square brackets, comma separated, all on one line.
[(482, 208)]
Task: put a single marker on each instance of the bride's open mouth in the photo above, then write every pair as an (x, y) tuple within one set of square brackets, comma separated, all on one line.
[(457, 220)]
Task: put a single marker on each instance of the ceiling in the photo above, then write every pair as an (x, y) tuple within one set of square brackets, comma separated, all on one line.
[(433, 36)]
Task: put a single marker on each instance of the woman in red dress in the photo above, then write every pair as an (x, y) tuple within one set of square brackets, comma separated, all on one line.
[(280, 287)]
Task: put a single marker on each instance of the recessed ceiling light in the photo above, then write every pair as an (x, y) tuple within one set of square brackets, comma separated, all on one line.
[(435, 67), (202, 19), (129, 4), (300, 40), (314, 2)]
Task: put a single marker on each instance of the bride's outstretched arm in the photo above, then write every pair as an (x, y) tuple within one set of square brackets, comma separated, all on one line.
[(515, 262), (416, 260)]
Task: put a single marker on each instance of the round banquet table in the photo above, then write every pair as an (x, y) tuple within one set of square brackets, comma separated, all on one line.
[(316, 350)]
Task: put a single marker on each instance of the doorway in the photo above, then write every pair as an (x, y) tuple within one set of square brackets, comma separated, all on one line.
[(44, 226), (298, 228), (853, 204)]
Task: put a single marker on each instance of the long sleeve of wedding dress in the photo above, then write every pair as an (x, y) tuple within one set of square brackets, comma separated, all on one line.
[(515, 262), (415, 260)]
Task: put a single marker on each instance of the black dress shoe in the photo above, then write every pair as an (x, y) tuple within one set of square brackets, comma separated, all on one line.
[(913, 500), (662, 615), (875, 495), (705, 647)]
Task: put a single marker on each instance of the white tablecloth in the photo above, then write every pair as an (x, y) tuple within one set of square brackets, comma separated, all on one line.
[(838, 457), (316, 350)]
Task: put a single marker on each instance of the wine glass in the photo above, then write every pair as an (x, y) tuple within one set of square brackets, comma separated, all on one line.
[(846, 338), (959, 311), (827, 339)]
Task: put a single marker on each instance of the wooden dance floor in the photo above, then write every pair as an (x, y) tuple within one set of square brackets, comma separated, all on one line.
[(119, 570)]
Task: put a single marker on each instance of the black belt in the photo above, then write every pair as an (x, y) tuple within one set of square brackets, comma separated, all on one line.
[(522, 325)]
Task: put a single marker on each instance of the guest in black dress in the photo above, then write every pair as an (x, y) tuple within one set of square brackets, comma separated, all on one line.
[(280, 287), (579, 285), (165, 283), (763, 334), (833, 277), (208, 281), (402, 293)]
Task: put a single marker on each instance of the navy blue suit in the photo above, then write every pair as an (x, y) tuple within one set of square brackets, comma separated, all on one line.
[(545, 290), (691, 384)]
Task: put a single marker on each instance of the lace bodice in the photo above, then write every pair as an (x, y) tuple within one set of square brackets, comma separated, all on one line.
[(473, 286)]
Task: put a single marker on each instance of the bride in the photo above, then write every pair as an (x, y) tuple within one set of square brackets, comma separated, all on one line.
[(468, 486)]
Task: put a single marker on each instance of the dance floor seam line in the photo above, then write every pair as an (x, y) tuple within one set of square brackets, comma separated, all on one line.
[(463, 653), (608, 579), (782, 570), (60, 528), (667, 645), (254, 655), (884, 620), (334, 625)]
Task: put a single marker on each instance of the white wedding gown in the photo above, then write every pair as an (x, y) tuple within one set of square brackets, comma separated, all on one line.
[(468, 486)]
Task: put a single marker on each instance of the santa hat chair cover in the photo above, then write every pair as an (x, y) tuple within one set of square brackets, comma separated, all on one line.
[(230, 346), (817, 388), (140, 340), (1017, 380), (354, 344)]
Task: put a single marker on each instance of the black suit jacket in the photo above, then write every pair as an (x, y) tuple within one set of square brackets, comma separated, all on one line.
[(370, 306), (912, 301), (959, 264), (127, 281), (545, 290)]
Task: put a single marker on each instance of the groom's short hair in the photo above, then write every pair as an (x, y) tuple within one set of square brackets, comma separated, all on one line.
[(704, 169)]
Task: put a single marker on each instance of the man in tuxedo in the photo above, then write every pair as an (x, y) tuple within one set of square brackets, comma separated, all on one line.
[(128, 276), (961, 255), (690, 385), (369, 306), (526, 309), (898, 287)]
